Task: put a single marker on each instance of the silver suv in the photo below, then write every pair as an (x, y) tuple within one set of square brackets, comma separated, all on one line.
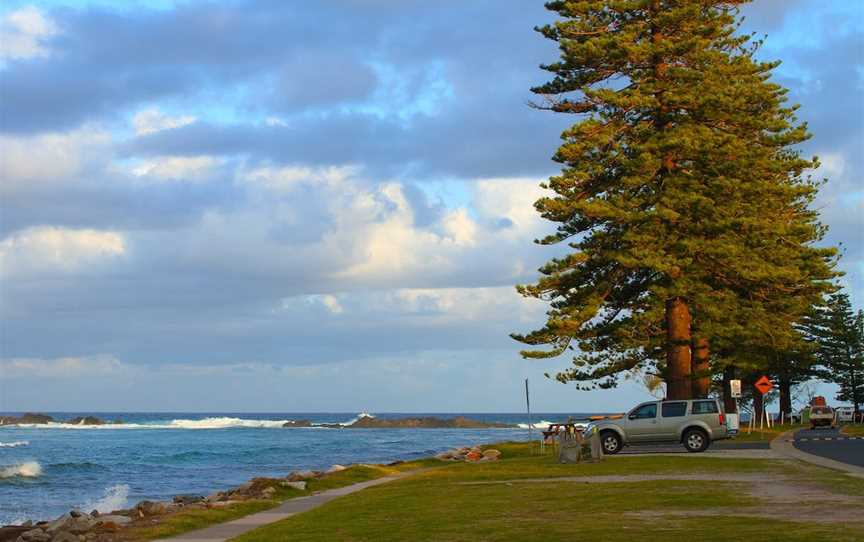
[(695, 423)]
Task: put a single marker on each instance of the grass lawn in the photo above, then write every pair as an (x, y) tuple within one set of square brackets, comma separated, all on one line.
[(193, 518), (488, 502), (854, 430), (767, 434)]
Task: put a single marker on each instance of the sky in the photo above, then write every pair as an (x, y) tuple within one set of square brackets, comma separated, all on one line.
[(272, 206)]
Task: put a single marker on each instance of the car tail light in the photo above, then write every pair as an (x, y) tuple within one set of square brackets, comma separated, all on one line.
[(722, 419)]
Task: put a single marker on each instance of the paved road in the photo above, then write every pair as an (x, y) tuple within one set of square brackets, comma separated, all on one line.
[(831, 444)]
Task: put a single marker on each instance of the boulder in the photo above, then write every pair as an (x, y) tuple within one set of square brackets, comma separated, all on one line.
[(296, 485), (473, 456), (35, 535), (297, 423), (66, 536), (12, 532), (336, 468), (301, 475), (113, 518), (151, 508), (491, 454), (187, 499), (27, 418), (268, 492)]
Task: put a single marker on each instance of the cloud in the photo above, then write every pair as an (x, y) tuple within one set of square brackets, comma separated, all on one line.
[(63, 368), (188, 168), (49, 250), (24, 33), (52, 158), (153, 120)]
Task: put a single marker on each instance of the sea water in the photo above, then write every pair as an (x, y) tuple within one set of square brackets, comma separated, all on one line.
[(48, 470)]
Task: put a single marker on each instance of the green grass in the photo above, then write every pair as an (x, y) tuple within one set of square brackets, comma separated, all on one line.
[(436, 504), (767, 434), (854, 430), (193, 519)]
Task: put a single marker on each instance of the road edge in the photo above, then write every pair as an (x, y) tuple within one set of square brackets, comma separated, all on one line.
[(782, 444)]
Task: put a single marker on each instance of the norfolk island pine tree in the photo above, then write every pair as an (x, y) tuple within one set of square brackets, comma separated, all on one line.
[(681, 197)]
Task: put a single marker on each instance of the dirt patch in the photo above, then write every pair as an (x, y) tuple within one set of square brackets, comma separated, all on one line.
[(781, 497)]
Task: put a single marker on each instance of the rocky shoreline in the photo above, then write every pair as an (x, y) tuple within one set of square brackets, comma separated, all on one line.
[(31, 418), (79, 526)]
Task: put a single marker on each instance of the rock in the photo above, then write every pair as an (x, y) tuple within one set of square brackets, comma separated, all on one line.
[(86, 420), (336, 468), (94, 513), (12, 532), (297, 423), (473, 456), (151, 508), (187, 499), (216, 497), (254, 488), (296, 485), (268, 492), (492, 454), (65, 537), (394, 463), (302, 475), (27, 418), (221, 504), (115, 519), (35, 535)]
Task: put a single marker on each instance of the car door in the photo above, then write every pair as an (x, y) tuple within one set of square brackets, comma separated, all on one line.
[(672, 413), (642, 423)]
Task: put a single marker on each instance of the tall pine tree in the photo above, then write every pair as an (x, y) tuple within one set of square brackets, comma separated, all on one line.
[(839, 333), (681, 197)]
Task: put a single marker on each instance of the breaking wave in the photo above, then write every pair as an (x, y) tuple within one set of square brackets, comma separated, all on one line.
[(14, 444), (30, 469), (115, 498), (223, 422)]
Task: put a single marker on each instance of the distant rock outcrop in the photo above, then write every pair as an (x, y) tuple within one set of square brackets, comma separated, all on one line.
[(86, 420), (297, 423), (459, 422), (27, 418)]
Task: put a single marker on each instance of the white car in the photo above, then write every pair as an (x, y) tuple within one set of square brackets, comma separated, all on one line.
[(845, 414)]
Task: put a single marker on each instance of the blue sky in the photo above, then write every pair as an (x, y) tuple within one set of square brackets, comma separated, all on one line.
[(285, 206)]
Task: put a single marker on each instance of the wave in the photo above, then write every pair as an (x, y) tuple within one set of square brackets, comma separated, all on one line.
[(29, 469), (114, 498), (223, 422), (14, 444)]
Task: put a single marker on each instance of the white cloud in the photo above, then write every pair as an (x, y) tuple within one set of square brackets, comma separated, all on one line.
[(187, 168), (60, 368), (22, 33), (50, 249), (53, 157), (285, 178), (153, 120)]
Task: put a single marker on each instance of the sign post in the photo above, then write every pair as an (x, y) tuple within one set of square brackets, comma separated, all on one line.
[(734, 418), (763, 386)]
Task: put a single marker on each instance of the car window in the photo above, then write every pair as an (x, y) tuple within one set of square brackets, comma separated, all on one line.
[(674, 410), (704, 407), (645, 412)]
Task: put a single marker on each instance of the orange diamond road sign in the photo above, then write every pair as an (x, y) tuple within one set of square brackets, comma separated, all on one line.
[(764, 385)]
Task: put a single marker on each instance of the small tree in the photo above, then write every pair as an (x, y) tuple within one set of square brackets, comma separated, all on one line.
[(839, 333)]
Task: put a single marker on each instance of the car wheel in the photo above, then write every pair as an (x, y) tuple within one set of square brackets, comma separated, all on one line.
[(695, 440), (611, 442)]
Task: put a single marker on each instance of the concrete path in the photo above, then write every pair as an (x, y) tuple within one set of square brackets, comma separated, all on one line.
[(785, 445), (228, 530)]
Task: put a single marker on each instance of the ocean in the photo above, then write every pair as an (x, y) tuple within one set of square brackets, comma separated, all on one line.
[(48, 470)]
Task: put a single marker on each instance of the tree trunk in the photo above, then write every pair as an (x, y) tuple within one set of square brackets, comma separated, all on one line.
[(701, 369), (729, 403), (678, 349), (785, 395)]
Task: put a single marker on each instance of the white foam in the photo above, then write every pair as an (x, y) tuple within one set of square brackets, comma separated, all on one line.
[(205, 423), (29, 469), (115, 498), (357, 418), (14, 444)]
